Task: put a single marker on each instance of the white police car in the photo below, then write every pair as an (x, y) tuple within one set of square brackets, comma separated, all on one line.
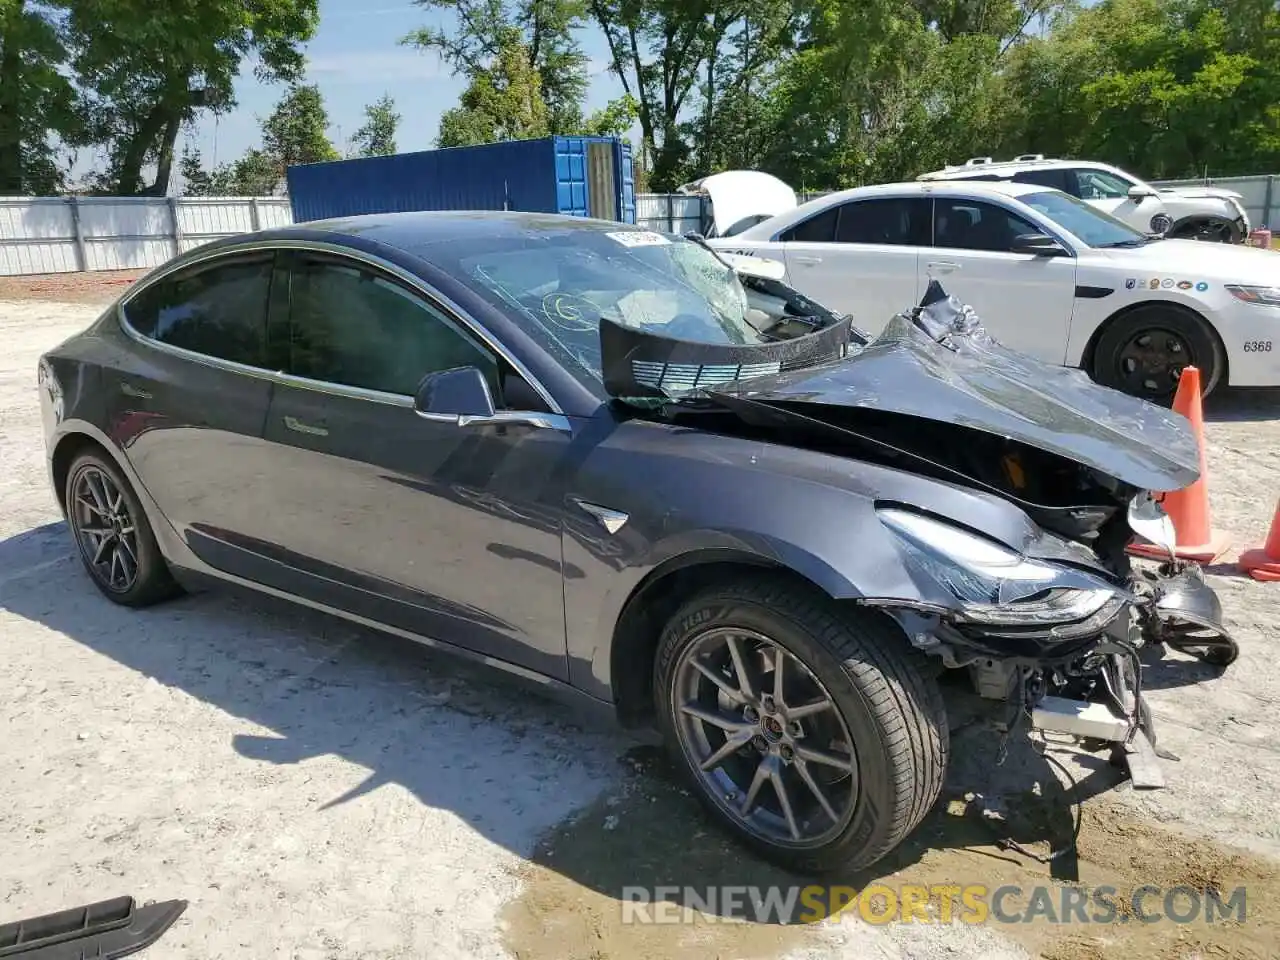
[(1049, 274)]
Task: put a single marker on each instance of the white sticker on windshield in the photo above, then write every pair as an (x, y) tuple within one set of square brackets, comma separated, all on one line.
[(638, 238)]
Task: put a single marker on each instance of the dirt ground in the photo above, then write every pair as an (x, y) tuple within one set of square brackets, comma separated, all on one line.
[(92, 287), (323, 793)]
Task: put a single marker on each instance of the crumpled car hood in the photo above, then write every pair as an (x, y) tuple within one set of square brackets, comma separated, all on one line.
[(1200, 193), (935, 363)]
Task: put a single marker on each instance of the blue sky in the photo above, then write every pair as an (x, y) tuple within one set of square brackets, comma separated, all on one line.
[(355, 58)]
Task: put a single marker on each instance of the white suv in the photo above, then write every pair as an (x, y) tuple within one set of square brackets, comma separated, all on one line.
[(1191, 213)]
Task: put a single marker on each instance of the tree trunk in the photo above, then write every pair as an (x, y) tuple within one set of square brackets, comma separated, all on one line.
[(11, 180), (164, 163), (129, 173)]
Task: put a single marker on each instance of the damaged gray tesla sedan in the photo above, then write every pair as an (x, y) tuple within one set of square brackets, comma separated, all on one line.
[(600, 458)]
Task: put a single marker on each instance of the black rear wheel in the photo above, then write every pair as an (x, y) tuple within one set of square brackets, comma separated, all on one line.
[(813, 733), (1144, 352), (115, 540)]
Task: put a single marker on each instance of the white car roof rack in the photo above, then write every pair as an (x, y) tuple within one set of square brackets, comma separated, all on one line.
[(1021, 160)]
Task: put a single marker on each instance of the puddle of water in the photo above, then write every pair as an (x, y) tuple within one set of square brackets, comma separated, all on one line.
[(655, 834)]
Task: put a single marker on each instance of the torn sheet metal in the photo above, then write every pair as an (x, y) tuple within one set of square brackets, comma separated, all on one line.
[(936, 362)]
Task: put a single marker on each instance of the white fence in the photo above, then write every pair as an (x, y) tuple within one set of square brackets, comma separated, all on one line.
[(66, 234)]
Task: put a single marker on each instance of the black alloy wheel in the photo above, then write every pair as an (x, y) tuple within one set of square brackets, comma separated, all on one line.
[(813, 732), (115, 540), (766, 737)]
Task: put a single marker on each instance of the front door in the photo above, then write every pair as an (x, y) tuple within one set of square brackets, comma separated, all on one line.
[(1108, 193), (448, 532), (1025, 301)]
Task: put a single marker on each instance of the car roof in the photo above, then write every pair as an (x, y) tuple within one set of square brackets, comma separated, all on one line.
[(417, 230), (983, 166), (973, 189)]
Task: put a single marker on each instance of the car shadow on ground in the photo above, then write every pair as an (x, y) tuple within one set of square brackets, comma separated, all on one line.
[(508, 762), (1164, 669), (1242, 404)]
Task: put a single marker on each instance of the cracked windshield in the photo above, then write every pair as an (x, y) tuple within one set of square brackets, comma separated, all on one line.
[(638, 279)]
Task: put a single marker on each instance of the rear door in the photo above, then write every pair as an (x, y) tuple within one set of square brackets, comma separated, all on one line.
[(861, 257), (190, 402), (1024, 300)]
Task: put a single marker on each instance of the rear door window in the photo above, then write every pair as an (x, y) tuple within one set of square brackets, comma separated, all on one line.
[(820, 228), (1057, 178), (900, 221)]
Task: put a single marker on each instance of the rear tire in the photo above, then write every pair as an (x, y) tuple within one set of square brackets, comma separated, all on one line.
[(1143, 352), (860, 771), (115, 540)]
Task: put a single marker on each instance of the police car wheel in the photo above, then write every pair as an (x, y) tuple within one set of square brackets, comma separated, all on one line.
[(1143, 352)]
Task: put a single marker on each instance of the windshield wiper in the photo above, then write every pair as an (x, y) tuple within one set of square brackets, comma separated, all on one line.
[(1135, 242)]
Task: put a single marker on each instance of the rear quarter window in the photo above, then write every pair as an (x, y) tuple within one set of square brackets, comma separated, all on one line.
[(219, 310)]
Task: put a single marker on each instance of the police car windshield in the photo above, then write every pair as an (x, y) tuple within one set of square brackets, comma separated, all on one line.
[(1085, 221)]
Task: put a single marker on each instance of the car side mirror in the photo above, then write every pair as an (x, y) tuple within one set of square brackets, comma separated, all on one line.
[(1137, 194), (456, 396), (1040, 244), (461, 397)]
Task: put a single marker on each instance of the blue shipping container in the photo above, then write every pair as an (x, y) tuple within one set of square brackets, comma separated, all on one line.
[(578, 176)]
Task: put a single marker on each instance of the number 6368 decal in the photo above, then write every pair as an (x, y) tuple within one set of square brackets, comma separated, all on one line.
[(1257, 346)]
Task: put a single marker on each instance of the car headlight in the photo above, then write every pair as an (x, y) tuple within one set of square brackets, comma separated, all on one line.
[(994, 584), (1263, 296)]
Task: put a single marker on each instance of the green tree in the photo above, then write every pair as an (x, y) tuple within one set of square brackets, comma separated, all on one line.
[(377, 137), (545, 29), (149, 68), (37, 100), (196, 180), (502, 102), (1165, 87), (614, 119), (295, 132)]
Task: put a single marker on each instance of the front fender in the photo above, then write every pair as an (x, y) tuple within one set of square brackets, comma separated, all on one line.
[(710, 499)]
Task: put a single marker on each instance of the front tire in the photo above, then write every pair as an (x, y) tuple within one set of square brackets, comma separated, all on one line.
[(1143, 352), (115, 540), (813, 733), (1208, 229)]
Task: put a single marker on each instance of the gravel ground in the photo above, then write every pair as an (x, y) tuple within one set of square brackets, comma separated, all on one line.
[(318, 791)]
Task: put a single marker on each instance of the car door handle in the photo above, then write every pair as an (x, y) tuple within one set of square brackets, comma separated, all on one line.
[(299, 426), (129, 390), (807, 261), (943, 266)]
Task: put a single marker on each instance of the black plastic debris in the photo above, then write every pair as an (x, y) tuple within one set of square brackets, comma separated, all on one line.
[(98, 931)]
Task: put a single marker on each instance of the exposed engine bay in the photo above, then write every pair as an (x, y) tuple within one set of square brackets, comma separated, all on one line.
[(1053, 626)]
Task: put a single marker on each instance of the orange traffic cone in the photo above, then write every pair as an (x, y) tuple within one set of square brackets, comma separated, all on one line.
[(1188, 508), (1264, 564)]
